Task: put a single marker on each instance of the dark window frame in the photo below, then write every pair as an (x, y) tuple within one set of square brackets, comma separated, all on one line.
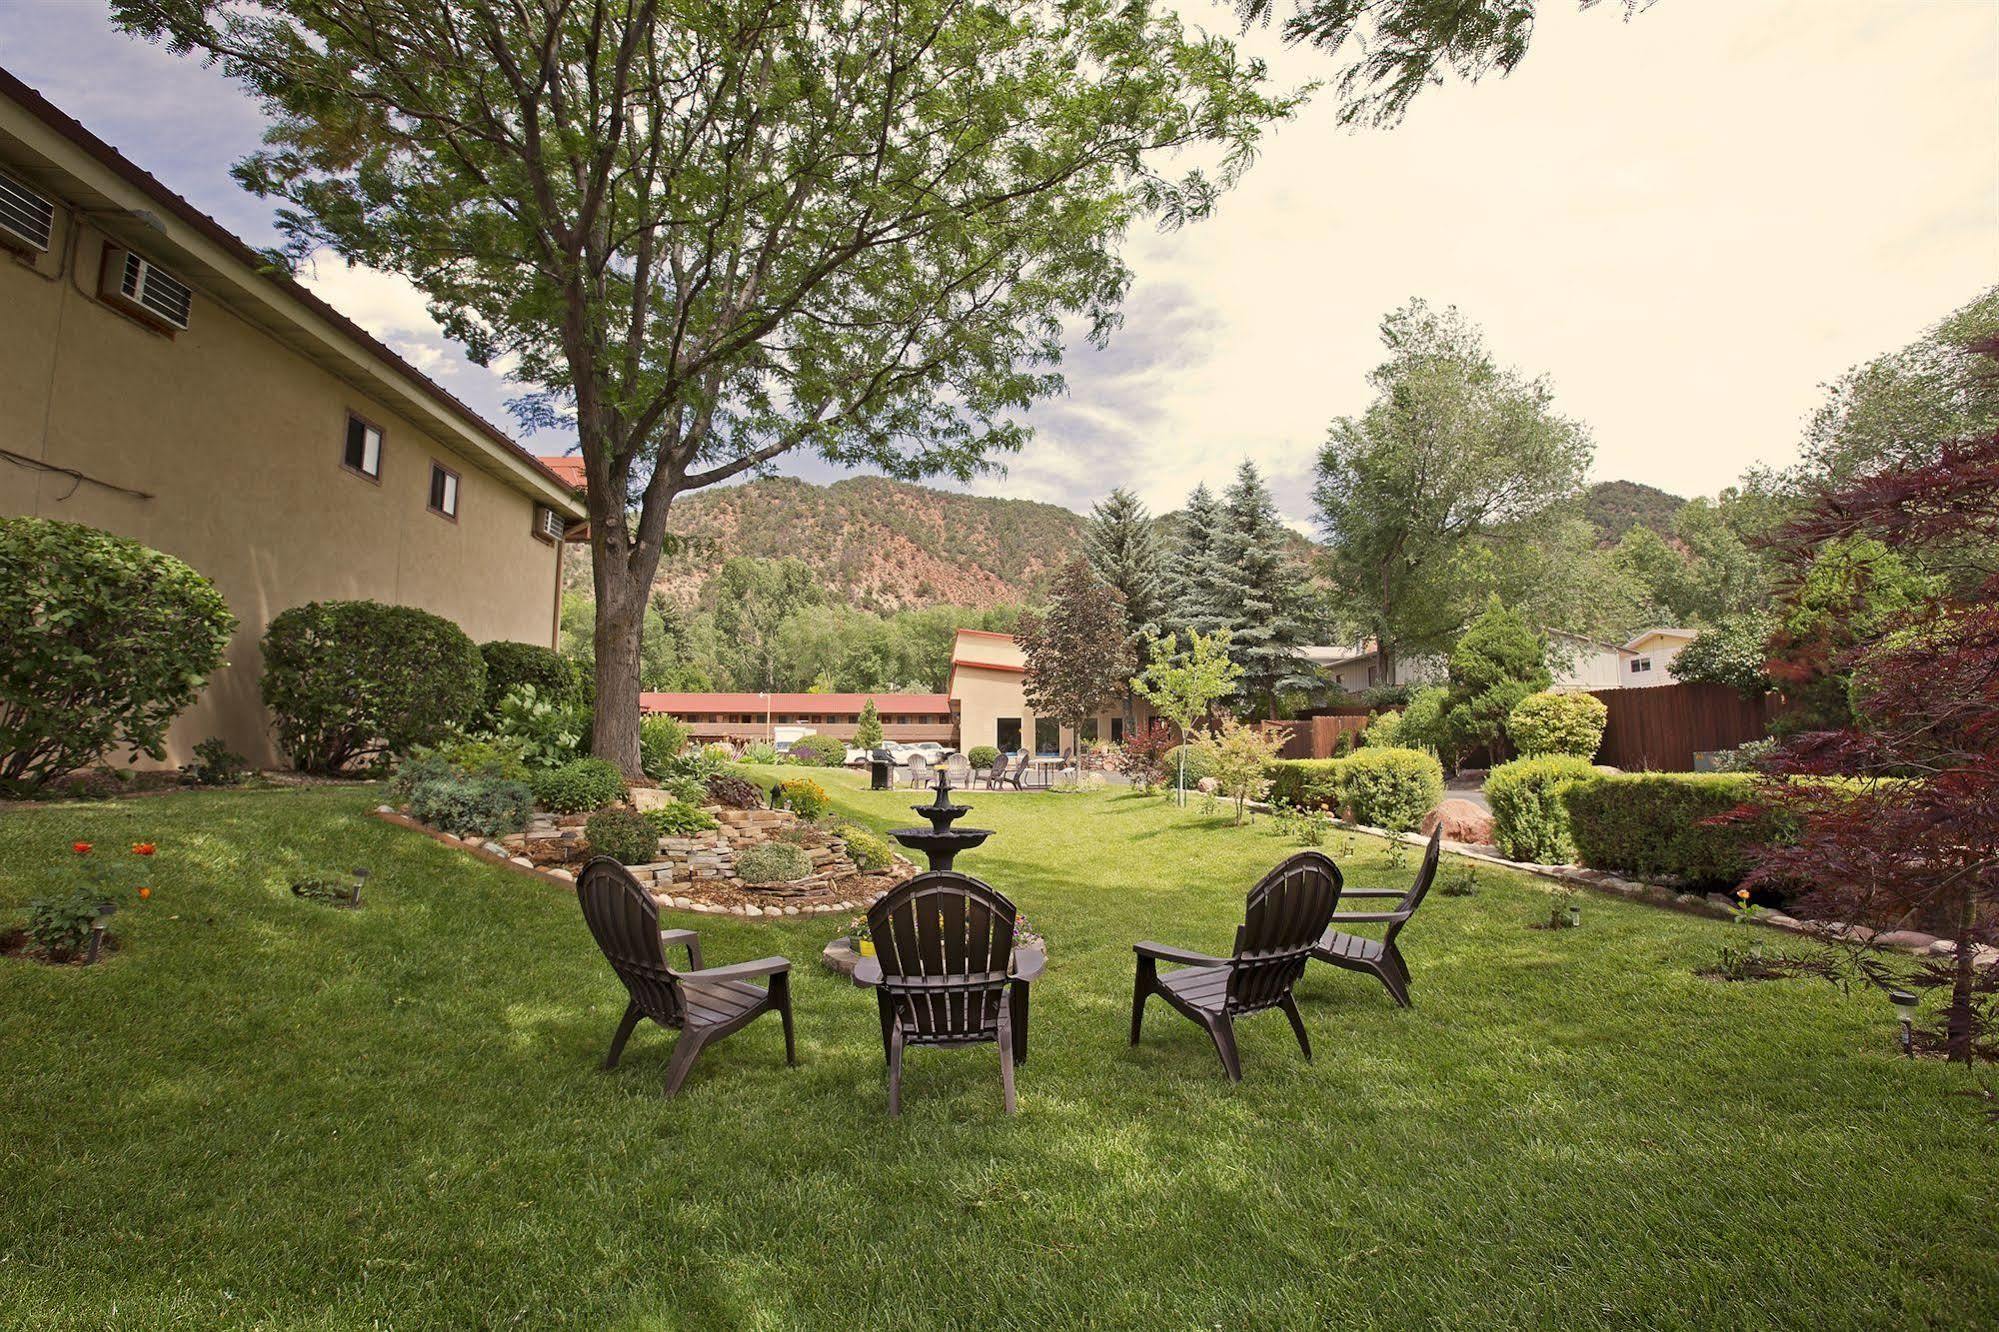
[(381, 447), (457, 492)]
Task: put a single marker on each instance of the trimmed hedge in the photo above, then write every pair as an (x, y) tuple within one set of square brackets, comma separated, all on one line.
[(576, 787), (1654, 825), (508, 664), (348, 681), (1530, 820), (1558, 722), (1385, 788), (103, 642), (626, 836)]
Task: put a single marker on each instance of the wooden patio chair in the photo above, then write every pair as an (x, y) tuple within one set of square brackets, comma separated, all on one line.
[(919, 771), (945, 972), (702, 1004), (1284, 917), (1004, 776), (1380, 958), (959, 769)]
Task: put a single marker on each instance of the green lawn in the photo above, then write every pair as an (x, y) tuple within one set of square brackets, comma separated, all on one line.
[(263, 1111)]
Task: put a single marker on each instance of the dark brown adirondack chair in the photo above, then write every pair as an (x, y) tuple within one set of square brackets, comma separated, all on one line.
[(1284, 916), (945, 972), (1380, 958), (1003, 776), (702, 1004)]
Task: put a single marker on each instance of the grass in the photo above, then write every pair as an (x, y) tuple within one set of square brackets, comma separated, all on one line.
[(264, 1111)]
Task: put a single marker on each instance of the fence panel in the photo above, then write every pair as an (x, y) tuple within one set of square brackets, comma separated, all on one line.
[(1660, 728)]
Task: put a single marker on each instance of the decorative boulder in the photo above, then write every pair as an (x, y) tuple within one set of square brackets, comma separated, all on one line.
[(1462, 821)]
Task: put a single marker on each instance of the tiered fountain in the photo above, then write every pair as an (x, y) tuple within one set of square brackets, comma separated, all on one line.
[(940, 841)]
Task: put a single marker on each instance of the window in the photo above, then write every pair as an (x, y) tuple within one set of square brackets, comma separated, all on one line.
[(1009, 734), (1639, 664), (1117, 730), (1089, 730), (1371, 681), (1047, 735), (363, 455), (444, 491)]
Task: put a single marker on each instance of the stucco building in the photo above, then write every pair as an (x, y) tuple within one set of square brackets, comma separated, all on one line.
[(742, 717), (159, 382), (988, 686)]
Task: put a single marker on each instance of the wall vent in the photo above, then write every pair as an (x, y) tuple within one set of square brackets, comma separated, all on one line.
[(143, 288), (27, 220), (547, 523)]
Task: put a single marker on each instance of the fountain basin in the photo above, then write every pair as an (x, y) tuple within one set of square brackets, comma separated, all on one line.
[(941, 845)]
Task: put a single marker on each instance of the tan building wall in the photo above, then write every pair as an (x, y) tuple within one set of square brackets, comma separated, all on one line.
[(989, 685), (236, 440)]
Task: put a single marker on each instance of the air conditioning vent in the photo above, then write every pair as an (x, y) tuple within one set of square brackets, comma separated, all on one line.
[(144, 289), (27, 220), (547, 523)]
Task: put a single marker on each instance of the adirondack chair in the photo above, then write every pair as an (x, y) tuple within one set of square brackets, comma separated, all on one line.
[(702, 1004), (959, 769), (1380, 958), (945, 972), (919, 771), (1285, 915), (1004, 776)]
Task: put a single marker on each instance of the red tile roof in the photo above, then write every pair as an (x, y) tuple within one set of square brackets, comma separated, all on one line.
[(940, 704), (570, 469)]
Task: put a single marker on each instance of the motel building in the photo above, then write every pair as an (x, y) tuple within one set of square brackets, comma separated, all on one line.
[(984, 703)]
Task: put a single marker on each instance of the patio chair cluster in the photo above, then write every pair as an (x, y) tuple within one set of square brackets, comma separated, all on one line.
[(946, 972)]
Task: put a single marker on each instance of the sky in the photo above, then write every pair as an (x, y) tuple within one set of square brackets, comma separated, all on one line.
[(1688, 221)]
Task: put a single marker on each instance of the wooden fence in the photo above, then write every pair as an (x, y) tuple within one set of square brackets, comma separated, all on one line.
[(1314, 737), (1661, 728)]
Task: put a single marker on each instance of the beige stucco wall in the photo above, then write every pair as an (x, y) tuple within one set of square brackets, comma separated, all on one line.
[(984, 695), (238, 438)]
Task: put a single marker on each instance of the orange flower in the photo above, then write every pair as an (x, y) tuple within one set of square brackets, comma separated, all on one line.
[(81, 848), (145, 893), (1742, 893), (142, 848)]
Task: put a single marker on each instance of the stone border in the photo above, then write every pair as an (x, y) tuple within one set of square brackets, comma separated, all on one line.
[(1715, 906), (489, 851)]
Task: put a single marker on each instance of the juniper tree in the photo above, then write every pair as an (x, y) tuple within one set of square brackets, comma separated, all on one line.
[(706, 236)]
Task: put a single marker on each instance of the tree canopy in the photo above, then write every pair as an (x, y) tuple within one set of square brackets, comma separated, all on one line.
[(1079, 654)]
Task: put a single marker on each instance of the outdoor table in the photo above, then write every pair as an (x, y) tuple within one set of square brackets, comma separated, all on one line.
[(1047, 767)]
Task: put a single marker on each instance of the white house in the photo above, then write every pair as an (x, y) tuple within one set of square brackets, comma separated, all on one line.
[(1574, 661), (1647, 656)]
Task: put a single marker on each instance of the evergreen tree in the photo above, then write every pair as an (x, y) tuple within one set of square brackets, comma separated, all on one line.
[(868, 734), (1258, 588), (1499, 661), (1195, 590), (1124, 551)]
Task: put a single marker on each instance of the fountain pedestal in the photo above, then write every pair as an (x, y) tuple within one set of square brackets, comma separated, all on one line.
[(940, 841)]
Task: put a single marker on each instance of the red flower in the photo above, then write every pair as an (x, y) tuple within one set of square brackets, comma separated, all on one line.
[(81, 848), (145, 893), (142, 848)]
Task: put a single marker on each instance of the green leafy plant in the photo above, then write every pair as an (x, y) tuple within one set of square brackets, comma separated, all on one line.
[(804, 797), (215, 764), (102, 643), (1552, 722), (1383, 730), (680, 819), (1657, 825), (625, 835), (687, 789), (772, 862), (1239, 759), (869, 851), (492, 757), (1307, 783), (732, 792), (60, 924), (1391, 788), (822, 750), (1530, 817), (1461, 881), (510, 664), (576, 787), (550, 731), (352, 681), (661, 740), (982, 756), (760, 751), (715, 756), (472, 806)]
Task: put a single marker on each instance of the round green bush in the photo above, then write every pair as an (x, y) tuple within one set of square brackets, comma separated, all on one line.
[(625, 835), (1391, 788), (575, 787), (472, 806), (1558, 723), (804, 797), (1383, 730), (869, 852), (680, 819), (348, 681), (772, 862), (103, 642), (983, 756), (1198, 765), (1530, 818), (661, 739), (508, 664), (823, 750)]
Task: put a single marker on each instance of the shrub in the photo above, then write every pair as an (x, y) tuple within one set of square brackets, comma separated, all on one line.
[(102, 643), (661, 739), (823, 750), (983, 756), (805, 797), (1423, 725), (1654, 824), (760, 751), (869, 851), (772, 862), (626, 836), (1530, 819), (715, 755), (733, 792), (1391, 788), (509, 664), (1558, 723), (1240, 756), (353, 680), (215, 764), (1383, 731), (1197, 765), (680, 819), (582, 785), (550, 731), (60, 926), (472, 806), (868, 734), (1307, 783), (464, 756)]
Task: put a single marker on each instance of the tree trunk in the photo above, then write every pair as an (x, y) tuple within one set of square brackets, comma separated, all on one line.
[(621, 603), (1960, 1026)]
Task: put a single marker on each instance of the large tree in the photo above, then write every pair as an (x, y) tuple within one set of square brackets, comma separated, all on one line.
[(1262, 587), (1079, 654), (709, 235), (1123, 548), (1194, 589), (1458, 457)]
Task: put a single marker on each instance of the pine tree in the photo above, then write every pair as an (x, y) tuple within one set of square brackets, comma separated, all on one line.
[(1124, 551), (1194, 594), (1258, 587), (868, 734)]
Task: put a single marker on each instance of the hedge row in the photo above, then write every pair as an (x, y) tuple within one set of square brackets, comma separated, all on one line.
[(1384, 788)]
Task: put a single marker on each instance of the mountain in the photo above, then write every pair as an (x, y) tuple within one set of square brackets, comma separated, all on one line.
[(1617, 506), (877, 544)]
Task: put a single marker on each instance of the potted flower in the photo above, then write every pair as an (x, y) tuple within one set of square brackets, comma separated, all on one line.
[(859, 936)]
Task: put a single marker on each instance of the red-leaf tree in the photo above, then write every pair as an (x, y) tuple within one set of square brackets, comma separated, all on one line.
[(1914, 838), (1079, 654)]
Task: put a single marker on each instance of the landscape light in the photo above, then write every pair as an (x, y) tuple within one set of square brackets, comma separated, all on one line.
[(1905, 1008)]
